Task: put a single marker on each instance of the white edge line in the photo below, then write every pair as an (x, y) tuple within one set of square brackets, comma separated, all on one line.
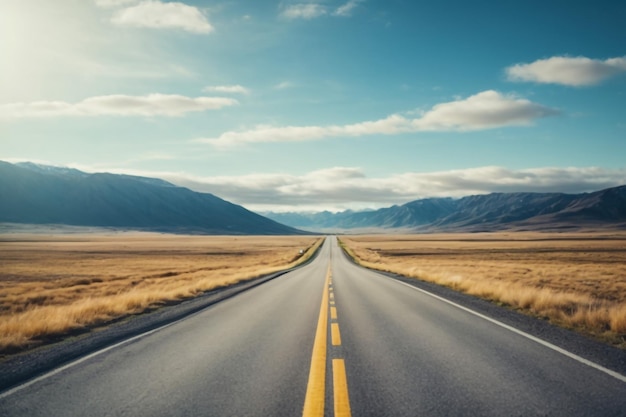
[(549, 345), (81, 360)]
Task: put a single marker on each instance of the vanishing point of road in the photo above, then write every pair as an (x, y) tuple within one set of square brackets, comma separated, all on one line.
[(328, 339)]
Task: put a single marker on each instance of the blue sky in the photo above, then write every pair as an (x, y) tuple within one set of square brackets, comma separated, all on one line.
[(312, 105)]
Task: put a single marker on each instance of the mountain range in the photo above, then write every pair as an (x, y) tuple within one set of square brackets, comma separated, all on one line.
[(490, 212), (39, 194)]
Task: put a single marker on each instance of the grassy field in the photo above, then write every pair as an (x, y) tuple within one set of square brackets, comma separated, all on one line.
[(52, 285), (574, 280)]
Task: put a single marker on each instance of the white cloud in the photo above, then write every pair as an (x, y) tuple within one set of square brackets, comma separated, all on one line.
[(310, 11), (155, 14), (303, 11), (341, 188), (579, 71), (229, 89), (284, 85), (113, 3), (346, 9), (485, 110), (116, 105)]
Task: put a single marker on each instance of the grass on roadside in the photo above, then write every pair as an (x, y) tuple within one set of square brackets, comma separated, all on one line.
[(576, 281), (50, 287)]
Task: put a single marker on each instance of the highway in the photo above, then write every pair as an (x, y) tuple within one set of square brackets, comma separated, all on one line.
[(327, 339)]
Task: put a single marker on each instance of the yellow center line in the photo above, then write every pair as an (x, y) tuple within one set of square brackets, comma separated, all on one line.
[(332, 296), (340, 389), (316, 387), (334, 332), (333, 313)]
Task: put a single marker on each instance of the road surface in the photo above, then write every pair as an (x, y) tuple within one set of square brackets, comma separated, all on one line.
[(327, 339)]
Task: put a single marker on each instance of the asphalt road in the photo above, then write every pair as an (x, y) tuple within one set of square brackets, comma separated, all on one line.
[(328, 338)]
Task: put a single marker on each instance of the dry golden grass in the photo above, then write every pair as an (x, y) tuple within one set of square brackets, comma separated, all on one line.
[(575, 280), (52, 285)]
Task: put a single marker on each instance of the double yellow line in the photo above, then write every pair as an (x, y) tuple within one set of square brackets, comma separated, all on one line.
[(316, 387)]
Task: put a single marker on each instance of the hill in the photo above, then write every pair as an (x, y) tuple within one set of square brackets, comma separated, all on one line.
[(39, 194)]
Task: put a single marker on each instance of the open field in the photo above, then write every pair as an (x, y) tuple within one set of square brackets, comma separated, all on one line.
[(51, 285), (574, 280)]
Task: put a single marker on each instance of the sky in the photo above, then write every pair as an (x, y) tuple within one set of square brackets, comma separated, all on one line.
[(323, 104)]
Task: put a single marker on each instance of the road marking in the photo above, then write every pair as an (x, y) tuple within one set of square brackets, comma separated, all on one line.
[(542, 342), (316, 387), (334, 332), (340, 389), (333, 313)]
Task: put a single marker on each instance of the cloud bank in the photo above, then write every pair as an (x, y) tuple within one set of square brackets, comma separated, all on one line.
[(308, 11), (116, 105), (158, 15), (228, 89), (305, 11), (346, 9), (486, 110), (340, 188), (576, 72), (113, 3)]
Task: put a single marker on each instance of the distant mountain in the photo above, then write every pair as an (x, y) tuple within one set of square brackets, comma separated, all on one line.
[(40, 194), (497, 211), (314, 220)]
